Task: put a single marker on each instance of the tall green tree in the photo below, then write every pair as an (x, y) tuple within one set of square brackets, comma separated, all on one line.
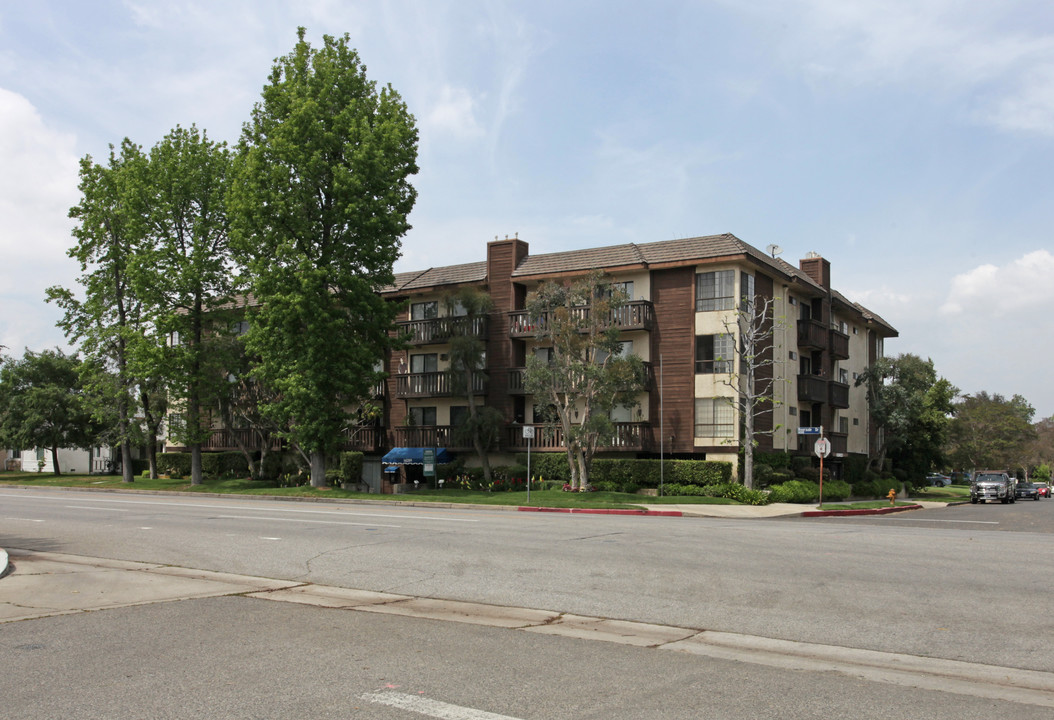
[(586, 375), (42, 404), (911, 408), (320, 199), (184, 274), (991, 432), (467, 311), (108, 323)]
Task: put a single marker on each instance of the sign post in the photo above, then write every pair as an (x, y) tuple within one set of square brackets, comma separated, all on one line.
[(528, 435), (429, 461), (822, 449)]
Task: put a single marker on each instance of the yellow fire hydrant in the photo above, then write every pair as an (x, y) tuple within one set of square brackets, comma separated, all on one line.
[(892, 496)]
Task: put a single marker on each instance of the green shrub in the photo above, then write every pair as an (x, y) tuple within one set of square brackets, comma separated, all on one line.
[(350, 467), (763, 475), (795, 491), (173, 464), (854, 469), (812, 474), (774, 460), (223, 464), (333, 478)]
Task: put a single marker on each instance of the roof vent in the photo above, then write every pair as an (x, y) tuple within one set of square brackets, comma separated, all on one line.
[(812, 255)]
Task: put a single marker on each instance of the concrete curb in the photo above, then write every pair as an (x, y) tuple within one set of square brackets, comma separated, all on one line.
[(602, 511), (868, 511)]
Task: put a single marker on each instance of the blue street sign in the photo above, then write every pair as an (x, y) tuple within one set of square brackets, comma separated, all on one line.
[(808, 431)]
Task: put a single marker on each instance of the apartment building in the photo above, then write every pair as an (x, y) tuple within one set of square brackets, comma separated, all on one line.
[(683, 298)]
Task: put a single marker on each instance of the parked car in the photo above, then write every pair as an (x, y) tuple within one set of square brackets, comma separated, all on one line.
[(992, 485), (1043, 489), (1027, 490), (938, 480)]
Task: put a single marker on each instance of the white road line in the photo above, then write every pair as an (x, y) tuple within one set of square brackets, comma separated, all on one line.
[(23, 519), (269, 538), (974, 522), (431, 708), (85, 507), (406, 516), (304, 520)]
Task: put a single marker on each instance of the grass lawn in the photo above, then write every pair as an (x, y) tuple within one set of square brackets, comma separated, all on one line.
[(539, 498), (950, 493)]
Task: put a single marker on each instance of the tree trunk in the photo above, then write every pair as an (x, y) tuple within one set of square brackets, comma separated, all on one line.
[(318, 468), (55, 460), (126, 461), (195, 463)]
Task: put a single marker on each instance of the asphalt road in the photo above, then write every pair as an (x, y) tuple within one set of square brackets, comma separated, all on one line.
[(927, 584)]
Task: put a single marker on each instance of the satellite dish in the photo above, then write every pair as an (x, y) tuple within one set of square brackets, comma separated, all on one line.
[(774, 250)]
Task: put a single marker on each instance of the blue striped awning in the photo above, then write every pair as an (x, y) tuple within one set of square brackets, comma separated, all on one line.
[(414, 456)]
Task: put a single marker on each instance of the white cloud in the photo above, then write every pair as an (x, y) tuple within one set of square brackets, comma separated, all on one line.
[(453, 114), (989, 291), (38, 185)]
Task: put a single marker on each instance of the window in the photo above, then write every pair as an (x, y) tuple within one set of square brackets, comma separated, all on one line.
[(423, 415), (625, 350), (713, 354), (626, 288), (856, 421), (715, 290), (424, 310), (545, 354), (457, 309), (793, 355), (714, 417), (746, 292), (843, 425), (458, 415), (794, 301), (425, 363), (16, 454), (793, 411), (843, 327), (240, 328), (854, 330), (843, 376)]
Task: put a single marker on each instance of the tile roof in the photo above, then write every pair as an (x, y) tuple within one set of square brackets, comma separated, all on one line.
[(433, 277)]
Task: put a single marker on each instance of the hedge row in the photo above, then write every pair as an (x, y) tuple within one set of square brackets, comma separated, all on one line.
[(630, 475), (213, 464)]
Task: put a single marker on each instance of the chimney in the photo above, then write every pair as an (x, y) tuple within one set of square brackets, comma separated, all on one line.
[(818, 269)]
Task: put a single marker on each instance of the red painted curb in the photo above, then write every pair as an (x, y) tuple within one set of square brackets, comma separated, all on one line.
[(872, 511)]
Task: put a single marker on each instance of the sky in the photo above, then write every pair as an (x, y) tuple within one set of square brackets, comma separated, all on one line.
[(909, 142)]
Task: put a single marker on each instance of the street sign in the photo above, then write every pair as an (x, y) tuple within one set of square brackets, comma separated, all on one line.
[(429, 461), (823, 447), (809, 431), (528, 432)]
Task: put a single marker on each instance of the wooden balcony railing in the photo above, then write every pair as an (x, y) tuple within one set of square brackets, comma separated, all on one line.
[(633, 315), (424, 436), (364, 438), (436, 331), (812, 388), (839, 345), (812, 334), (838, 394), (516, 377), (227, 440), (628, 436), (433, 384)]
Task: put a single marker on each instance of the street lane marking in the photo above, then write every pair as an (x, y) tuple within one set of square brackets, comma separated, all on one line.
[(304, 520), (406, 516), (269, 538), (104, 509), (431, 708), (974, 522), (23, 519)]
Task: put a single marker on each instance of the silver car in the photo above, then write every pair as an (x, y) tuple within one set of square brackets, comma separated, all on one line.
[(988, 485)]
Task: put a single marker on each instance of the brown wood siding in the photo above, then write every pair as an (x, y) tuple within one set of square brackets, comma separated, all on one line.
[(763, 288), (502, 258), (673, 339)]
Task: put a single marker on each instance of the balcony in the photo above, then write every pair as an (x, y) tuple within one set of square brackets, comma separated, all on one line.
[(437, 331), (812, 334), (425, 436), (839, 443), (838, 394), (433, 384), (812, 388), (839, 345), (364, 438), (228, 440), (626, 436), (633, 315), (516, 377)]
